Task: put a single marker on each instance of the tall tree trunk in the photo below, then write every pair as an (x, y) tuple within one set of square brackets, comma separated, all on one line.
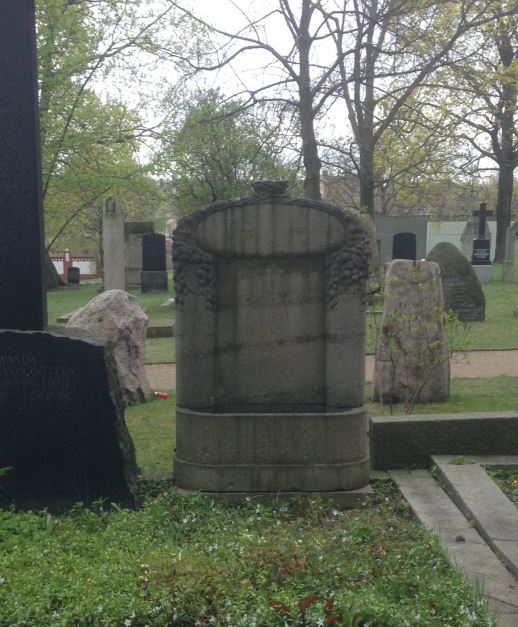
[(311, 159), (503, 207), (366, 176), (506, 156)]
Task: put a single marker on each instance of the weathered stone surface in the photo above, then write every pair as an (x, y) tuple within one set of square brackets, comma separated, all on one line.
[(113, 245), (462, 292), (62, 430), (510, 269), (270, 329), (409, 441), (412, 356), (133, 233), (117, 316)]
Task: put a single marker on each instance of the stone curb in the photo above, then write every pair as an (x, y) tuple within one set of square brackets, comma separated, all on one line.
[(466, 549), (410, 441), (480, 500)]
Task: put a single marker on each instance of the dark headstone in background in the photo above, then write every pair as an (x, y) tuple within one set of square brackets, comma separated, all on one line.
[(481, 252), (21, 215), (153, 277), (461, 288), (62, 429), (153, 252), (73, 275), (404, 246)]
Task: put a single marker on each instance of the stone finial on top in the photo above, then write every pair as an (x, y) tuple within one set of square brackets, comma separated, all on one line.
[(265, 189)]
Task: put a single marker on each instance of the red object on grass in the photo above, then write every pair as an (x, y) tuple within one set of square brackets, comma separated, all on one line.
[(161, 394)]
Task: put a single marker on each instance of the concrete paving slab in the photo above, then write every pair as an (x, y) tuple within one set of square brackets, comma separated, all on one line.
[(465, 546), (480, 499)]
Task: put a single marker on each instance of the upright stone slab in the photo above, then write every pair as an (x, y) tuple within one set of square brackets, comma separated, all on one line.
[(62, 434), (154, 272), (510, 270), (113, 245), (460, 286), (22, 292), (270, 332), (412, 355), (133, 233), (62, 430)]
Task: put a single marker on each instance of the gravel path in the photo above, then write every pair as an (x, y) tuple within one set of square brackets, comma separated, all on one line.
[(470, 365)]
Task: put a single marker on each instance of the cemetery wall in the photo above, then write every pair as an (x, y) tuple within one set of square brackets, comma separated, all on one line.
[(87, 265)]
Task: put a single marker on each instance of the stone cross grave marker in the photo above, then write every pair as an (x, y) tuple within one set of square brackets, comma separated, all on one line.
[(481, 245), (62, 433)]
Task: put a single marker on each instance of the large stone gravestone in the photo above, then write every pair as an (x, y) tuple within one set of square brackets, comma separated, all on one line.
[(62, 430), (133, 233), (113, 245), (270, 333), (62, 434), (412, 354), (510, 270), (154, 272), (461, 288)]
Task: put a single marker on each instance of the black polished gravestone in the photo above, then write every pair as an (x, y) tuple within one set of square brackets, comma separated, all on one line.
[(154, 272), (74, 275), (481, 245), (404, 246), (62, 433), (22, 293)]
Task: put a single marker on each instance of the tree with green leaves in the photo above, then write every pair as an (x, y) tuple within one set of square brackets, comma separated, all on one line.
[(218, 149), (90, 143), (374, 55), (485, 93)]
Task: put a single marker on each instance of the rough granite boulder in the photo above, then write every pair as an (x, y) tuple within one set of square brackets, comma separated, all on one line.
[(461, 288), (116, 315), (412, 355)]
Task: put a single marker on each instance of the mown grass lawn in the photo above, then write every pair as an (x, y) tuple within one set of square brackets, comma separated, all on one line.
[(64, 300), (185, 560), (498, 331)]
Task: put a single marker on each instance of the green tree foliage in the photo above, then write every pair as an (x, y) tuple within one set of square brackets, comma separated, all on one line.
[(90, 144), (485, 92), (218, 149)]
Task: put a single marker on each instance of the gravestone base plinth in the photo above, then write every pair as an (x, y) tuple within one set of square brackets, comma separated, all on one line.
[(63, 437), (271, 451), (153, 281), (345, 499), (484, 272)]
